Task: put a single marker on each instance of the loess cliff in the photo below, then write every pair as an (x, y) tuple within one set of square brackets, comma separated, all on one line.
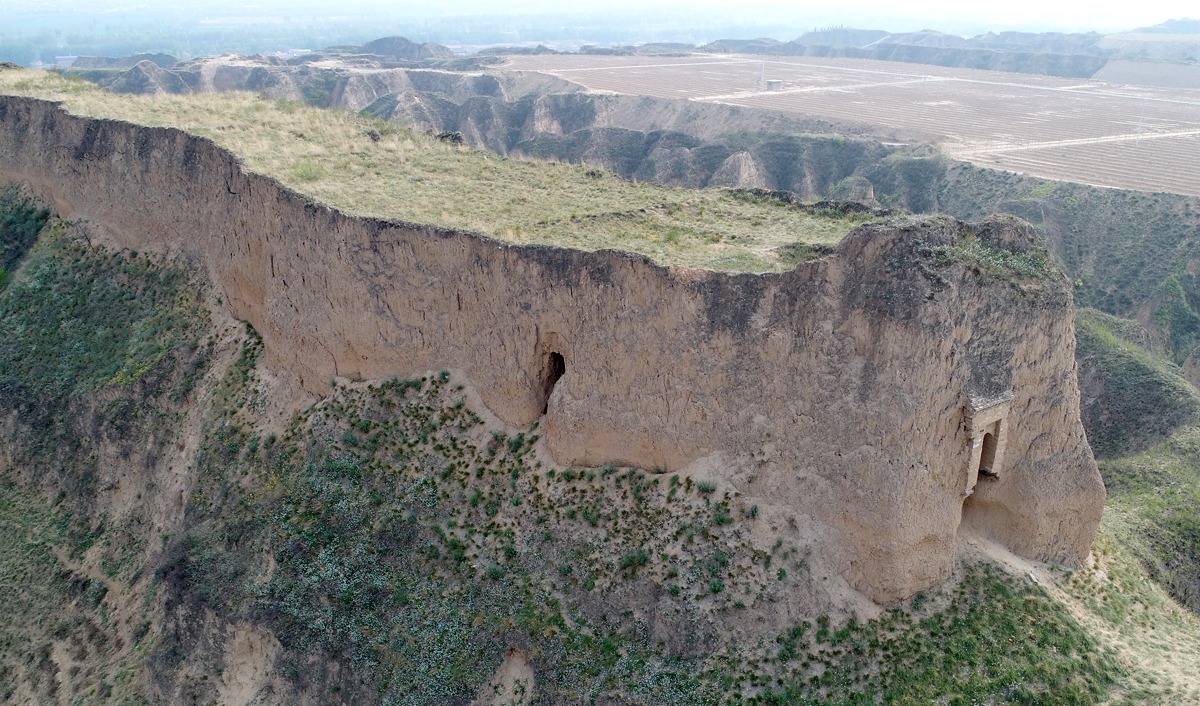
[(868, 405), (852, 375)]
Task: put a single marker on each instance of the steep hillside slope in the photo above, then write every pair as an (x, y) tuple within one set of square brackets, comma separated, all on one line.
[(1142, 419), (101, 353)]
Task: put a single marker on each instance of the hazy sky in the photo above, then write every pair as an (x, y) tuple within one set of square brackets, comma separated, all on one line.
[(960, 16), (946, 15), (1005, 14), (178, 27)]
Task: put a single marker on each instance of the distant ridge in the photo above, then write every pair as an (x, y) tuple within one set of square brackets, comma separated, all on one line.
[(1181, 26), (402, 48), (1048, 54)]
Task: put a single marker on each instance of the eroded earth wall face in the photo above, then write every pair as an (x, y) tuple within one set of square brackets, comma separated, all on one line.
[(841, 386)]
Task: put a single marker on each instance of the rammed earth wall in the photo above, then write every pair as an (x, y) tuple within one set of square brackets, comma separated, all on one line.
[(836, 396)]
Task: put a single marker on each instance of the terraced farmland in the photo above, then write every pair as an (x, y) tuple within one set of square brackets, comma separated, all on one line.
[(1090, 132)]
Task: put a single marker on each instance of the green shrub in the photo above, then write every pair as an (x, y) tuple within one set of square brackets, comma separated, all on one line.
[(634, 560), (994, 263), (21, 219)]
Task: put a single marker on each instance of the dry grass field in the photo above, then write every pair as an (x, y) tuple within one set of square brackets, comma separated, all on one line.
[(370, 168), (1088, 132)]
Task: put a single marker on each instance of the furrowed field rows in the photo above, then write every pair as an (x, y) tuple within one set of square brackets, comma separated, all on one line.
[(779, 67), (1162, 165), (973, 113), (1056, 128)]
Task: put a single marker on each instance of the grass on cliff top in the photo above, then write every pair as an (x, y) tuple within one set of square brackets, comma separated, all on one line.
[(332, 158)]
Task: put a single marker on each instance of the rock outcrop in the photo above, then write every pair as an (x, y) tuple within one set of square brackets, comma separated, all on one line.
[(878, 398)]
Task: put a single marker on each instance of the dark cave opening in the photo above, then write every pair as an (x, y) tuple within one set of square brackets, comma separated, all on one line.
[(556, 367)]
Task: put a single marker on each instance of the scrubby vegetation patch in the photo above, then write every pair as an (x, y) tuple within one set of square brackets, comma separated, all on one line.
[(393, 531), (21, 219)]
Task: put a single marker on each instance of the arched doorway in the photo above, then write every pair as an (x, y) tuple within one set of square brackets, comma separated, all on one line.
[(987, 455)]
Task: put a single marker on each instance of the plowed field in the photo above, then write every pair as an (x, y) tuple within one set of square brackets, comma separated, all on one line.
[(1090, 132)]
